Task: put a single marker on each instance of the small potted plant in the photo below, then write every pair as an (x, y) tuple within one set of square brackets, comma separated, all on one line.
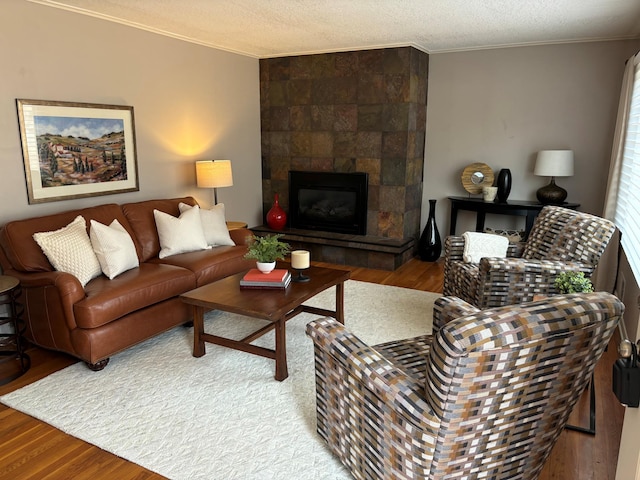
[(573, 282), (266, 250)]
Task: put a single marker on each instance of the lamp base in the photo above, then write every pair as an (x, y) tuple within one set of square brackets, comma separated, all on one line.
[(551, 194)]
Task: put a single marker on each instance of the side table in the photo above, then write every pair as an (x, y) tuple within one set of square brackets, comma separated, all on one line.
[(12, 344), (236, 225)]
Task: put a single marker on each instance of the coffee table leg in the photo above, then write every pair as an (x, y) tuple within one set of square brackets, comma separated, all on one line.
[(198, 330), (281, 350), (340, 302)]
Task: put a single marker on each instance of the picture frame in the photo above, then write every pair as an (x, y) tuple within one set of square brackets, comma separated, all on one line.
[(75, 150)]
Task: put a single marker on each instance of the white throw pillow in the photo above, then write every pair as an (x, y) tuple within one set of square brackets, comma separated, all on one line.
[(479, 245), (69, 250), (214, 224), (180, 235), (114, 248)]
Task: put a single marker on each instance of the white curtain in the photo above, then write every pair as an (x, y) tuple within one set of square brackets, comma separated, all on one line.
[(605, 275), (619, 138)]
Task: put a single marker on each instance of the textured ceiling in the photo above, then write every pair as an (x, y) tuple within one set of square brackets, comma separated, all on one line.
[(272, 28)]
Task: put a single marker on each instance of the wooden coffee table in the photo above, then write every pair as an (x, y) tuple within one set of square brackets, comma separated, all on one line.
[(273, 305)]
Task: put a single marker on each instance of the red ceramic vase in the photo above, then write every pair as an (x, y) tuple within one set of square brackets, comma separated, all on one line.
[(276, 217)]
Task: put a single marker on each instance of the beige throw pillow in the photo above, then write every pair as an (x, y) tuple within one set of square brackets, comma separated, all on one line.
[(69, 250), (214, 224), (180, 235), (114, 248)]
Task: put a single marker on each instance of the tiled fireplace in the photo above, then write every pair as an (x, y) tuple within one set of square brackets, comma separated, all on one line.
[(362, 111)]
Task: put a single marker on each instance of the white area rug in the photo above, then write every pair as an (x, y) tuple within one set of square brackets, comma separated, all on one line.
[(221, 416)]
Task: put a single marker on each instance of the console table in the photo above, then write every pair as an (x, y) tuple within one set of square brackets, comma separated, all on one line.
[(524, 208)]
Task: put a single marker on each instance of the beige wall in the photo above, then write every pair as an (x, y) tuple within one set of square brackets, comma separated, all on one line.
[(501, 106), (494, 106), (190, 103)]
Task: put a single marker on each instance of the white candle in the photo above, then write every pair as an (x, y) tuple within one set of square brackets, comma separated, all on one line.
[(300, 259)]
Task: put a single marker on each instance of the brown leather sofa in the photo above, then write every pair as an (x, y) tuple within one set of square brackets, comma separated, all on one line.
[(108, 316)]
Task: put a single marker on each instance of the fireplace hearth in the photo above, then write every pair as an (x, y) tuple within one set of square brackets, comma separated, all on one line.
[(328, 201)]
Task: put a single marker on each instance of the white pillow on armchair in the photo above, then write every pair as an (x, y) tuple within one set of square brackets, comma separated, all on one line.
[(479, 245)]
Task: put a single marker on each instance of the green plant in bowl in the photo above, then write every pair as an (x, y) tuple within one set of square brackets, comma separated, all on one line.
[(267, 249), (573, 282)]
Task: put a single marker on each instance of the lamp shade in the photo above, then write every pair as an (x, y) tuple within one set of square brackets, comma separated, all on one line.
[(214, 173), (554, 163)]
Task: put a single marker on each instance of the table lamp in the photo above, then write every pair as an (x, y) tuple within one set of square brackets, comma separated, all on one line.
[(553, 163), (214, 174)]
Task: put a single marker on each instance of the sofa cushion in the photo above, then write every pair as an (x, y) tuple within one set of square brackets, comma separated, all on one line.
[(22, 251), (140, 217), (108, 300), (213, 264), (69, 250), (114, 248)]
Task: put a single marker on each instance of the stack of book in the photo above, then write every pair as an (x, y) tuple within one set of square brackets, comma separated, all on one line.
[(254, 278)]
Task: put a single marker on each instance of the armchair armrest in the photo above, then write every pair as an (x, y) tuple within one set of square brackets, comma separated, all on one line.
[(390, 385), (453, 252), (508, 281), (446, 309), (453, 248)]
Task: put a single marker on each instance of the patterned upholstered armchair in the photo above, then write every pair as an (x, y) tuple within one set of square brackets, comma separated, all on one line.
[(485, 397), (561, 240)]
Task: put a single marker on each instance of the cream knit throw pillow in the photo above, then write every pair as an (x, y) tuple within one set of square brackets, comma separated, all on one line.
[(69, 250)]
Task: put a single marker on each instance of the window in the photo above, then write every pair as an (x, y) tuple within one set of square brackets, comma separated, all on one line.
[(627, 215)]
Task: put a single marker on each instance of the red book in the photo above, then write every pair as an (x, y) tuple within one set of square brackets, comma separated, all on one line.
[(276, 276)]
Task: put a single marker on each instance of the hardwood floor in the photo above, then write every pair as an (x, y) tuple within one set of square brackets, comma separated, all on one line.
[(31, 449)]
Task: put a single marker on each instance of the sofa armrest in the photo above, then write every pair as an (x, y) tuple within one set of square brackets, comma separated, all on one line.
[(446, 309), (48, 299), (241, 236), (387, 383)]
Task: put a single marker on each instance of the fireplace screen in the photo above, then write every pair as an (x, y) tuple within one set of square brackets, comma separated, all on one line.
[(332, 202)]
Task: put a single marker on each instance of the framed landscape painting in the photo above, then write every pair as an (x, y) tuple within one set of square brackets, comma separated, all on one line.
[(75, 150)]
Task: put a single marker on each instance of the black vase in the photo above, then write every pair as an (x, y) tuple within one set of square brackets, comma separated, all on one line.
[(430, 246), (504, 184)]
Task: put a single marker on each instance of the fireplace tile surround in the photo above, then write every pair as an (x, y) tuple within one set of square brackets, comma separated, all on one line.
[(361, 111)]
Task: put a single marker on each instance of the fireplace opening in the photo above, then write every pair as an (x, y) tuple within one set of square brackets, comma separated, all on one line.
[(326, 201)]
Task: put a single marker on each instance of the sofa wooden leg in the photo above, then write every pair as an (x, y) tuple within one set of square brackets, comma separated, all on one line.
[(96, 367)]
